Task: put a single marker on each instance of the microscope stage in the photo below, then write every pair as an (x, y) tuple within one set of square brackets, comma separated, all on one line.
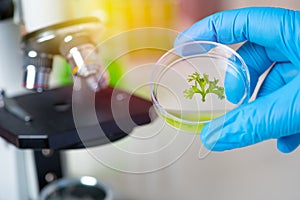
[(57, 115)]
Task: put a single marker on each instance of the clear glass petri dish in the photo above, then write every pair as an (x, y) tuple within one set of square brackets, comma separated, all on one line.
[(197, 82)]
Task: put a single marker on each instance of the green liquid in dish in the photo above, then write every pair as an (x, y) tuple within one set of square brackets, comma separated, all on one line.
[(189, 121)]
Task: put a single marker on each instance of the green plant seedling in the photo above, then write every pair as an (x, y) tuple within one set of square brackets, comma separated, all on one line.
[(203, 86)]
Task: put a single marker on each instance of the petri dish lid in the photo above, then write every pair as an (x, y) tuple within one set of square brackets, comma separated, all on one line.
[(176, 89)]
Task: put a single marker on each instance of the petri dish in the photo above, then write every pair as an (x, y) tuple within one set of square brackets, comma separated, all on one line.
[(197, 82)]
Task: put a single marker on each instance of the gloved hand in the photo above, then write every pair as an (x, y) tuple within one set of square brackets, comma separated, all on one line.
[(271, 35)]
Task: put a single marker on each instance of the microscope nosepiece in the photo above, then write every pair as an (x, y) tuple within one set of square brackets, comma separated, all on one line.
[(74, 40), (37, 68)]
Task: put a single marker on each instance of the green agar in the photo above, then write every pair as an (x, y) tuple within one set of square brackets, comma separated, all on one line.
[(189, 121)]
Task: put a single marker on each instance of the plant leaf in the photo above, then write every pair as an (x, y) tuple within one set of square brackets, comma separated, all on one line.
[(205, 86)]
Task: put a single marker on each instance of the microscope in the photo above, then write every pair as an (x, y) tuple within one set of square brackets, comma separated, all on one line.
[(42, 120)]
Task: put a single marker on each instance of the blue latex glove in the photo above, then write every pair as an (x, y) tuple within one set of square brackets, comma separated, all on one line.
[(271, 35)]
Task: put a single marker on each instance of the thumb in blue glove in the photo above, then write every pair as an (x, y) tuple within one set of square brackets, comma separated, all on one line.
[(271, 37)]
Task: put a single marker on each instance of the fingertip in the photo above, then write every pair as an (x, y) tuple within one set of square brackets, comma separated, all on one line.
[(203, 137), (257, 61), (204, 29), (230, 131), (212, 135), (288, 144), (181, 39), (284, 148), (235, 86)]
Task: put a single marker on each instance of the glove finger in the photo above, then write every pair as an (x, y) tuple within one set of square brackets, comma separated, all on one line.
[(248, 24), (257, 62), (279, 75), (270, 116), (289, 143)]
